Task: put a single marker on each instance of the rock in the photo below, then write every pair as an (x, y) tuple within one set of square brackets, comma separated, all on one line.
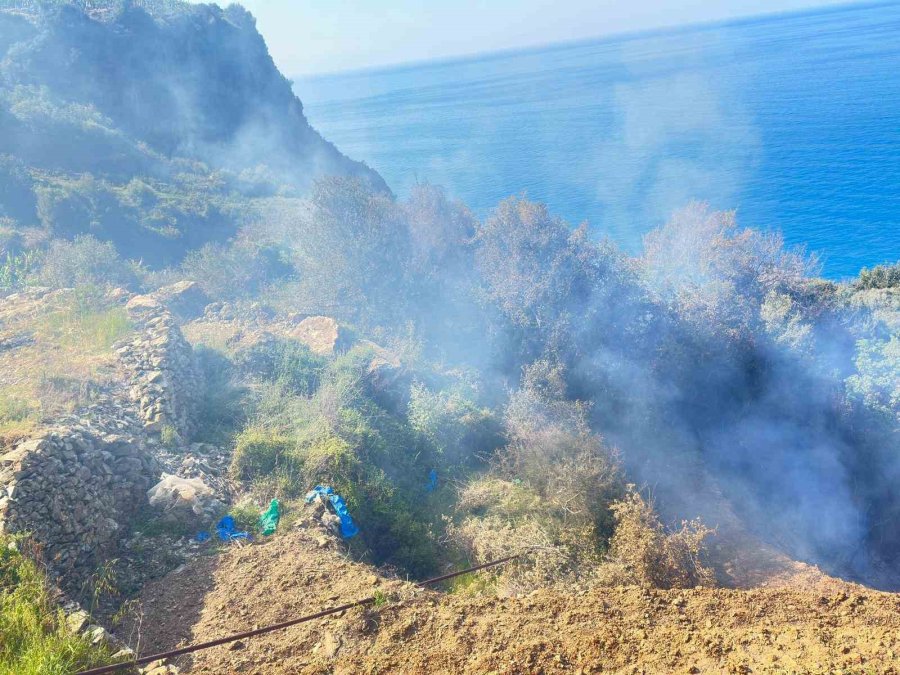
[(185, 299), (388, 378), (331, 643), (124, 654), (97, 635), (159, 667), (322, 334), (184, 499), (118, 295), (142, 304), (77, 621)]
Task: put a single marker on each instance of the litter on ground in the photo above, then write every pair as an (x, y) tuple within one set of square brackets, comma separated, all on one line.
[(326, 493)]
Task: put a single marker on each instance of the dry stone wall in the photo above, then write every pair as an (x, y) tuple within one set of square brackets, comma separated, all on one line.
[(74, 489), (77, 484), (164, 379)]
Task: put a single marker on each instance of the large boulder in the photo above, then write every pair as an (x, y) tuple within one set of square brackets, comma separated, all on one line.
[(185, 299), (323, 335), (184, 500)]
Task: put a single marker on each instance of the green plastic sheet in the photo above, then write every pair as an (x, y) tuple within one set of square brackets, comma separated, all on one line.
[(268, 521)]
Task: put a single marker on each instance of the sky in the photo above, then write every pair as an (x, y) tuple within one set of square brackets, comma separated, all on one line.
[(321, 36)]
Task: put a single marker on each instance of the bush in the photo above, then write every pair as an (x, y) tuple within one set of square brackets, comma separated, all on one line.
[(716, 274), (34, 639), (17, 269), (553, 450), (497, 518), (84, 261), (260, 451), (352, 252), (221, 411), (286, 362), (233, 272), (876, 383), (643, 553), (460, 431), (339, 436), (880, 276)]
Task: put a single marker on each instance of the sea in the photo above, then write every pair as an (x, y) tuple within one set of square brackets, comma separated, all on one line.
[(791, 120)]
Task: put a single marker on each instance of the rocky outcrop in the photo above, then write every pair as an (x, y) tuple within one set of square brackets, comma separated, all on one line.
[(74, 489), (186, 79), (322, 334), (184, 299), (164, 377)]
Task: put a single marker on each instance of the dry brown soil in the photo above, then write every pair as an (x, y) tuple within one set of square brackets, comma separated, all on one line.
[(803, 622)]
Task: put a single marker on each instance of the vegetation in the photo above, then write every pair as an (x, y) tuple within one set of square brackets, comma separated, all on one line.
[(880, 276), (84, 322), (541, 370), (17, 417), (34, 638)]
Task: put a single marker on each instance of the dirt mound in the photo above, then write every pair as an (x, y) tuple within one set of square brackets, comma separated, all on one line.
[(825, 626)]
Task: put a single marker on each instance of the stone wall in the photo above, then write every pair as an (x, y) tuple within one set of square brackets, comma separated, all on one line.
[(75, 489), (164, 379)]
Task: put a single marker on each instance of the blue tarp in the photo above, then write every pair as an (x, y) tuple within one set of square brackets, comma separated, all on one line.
[(348, 527), (227, 531)]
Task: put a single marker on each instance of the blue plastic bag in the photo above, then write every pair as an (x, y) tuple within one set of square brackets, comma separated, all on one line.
[(348, 527), (227, 531), (432, 481)]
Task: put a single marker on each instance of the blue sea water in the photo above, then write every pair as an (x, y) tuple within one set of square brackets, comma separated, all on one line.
[(792, 120)]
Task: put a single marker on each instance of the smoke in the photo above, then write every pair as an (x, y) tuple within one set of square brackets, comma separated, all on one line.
[(716, 361), (678, 133)]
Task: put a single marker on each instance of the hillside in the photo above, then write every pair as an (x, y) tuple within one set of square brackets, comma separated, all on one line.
[(805, 623), (205, 309), (148, 124)]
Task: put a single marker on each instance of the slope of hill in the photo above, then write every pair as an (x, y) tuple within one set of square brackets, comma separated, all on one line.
[(803, 622), (176, 298), (119, 119)]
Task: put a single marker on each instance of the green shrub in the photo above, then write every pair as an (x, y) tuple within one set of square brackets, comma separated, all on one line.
[(259, 451), (880, 276), (169, 436), (233, 272), (16, 270), (84, 261), (34, 639), (458, 429), (288, 362), (220, 411)]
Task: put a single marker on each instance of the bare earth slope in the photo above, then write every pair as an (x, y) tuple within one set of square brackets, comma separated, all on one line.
[(813, 625)]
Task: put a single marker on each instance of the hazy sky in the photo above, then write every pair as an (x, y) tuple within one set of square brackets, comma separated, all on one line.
[(311, 36)]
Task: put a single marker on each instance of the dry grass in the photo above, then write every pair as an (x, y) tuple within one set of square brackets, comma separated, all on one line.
[(642, 552), (218, 335), (63, 355), (501, 518), (18, 417)]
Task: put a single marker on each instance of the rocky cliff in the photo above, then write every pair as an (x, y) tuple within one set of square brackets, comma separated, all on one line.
[(188, 80)]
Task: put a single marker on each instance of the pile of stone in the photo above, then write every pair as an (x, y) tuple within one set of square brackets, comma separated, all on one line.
[(75, 491), (165, 381), (204, 461)]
